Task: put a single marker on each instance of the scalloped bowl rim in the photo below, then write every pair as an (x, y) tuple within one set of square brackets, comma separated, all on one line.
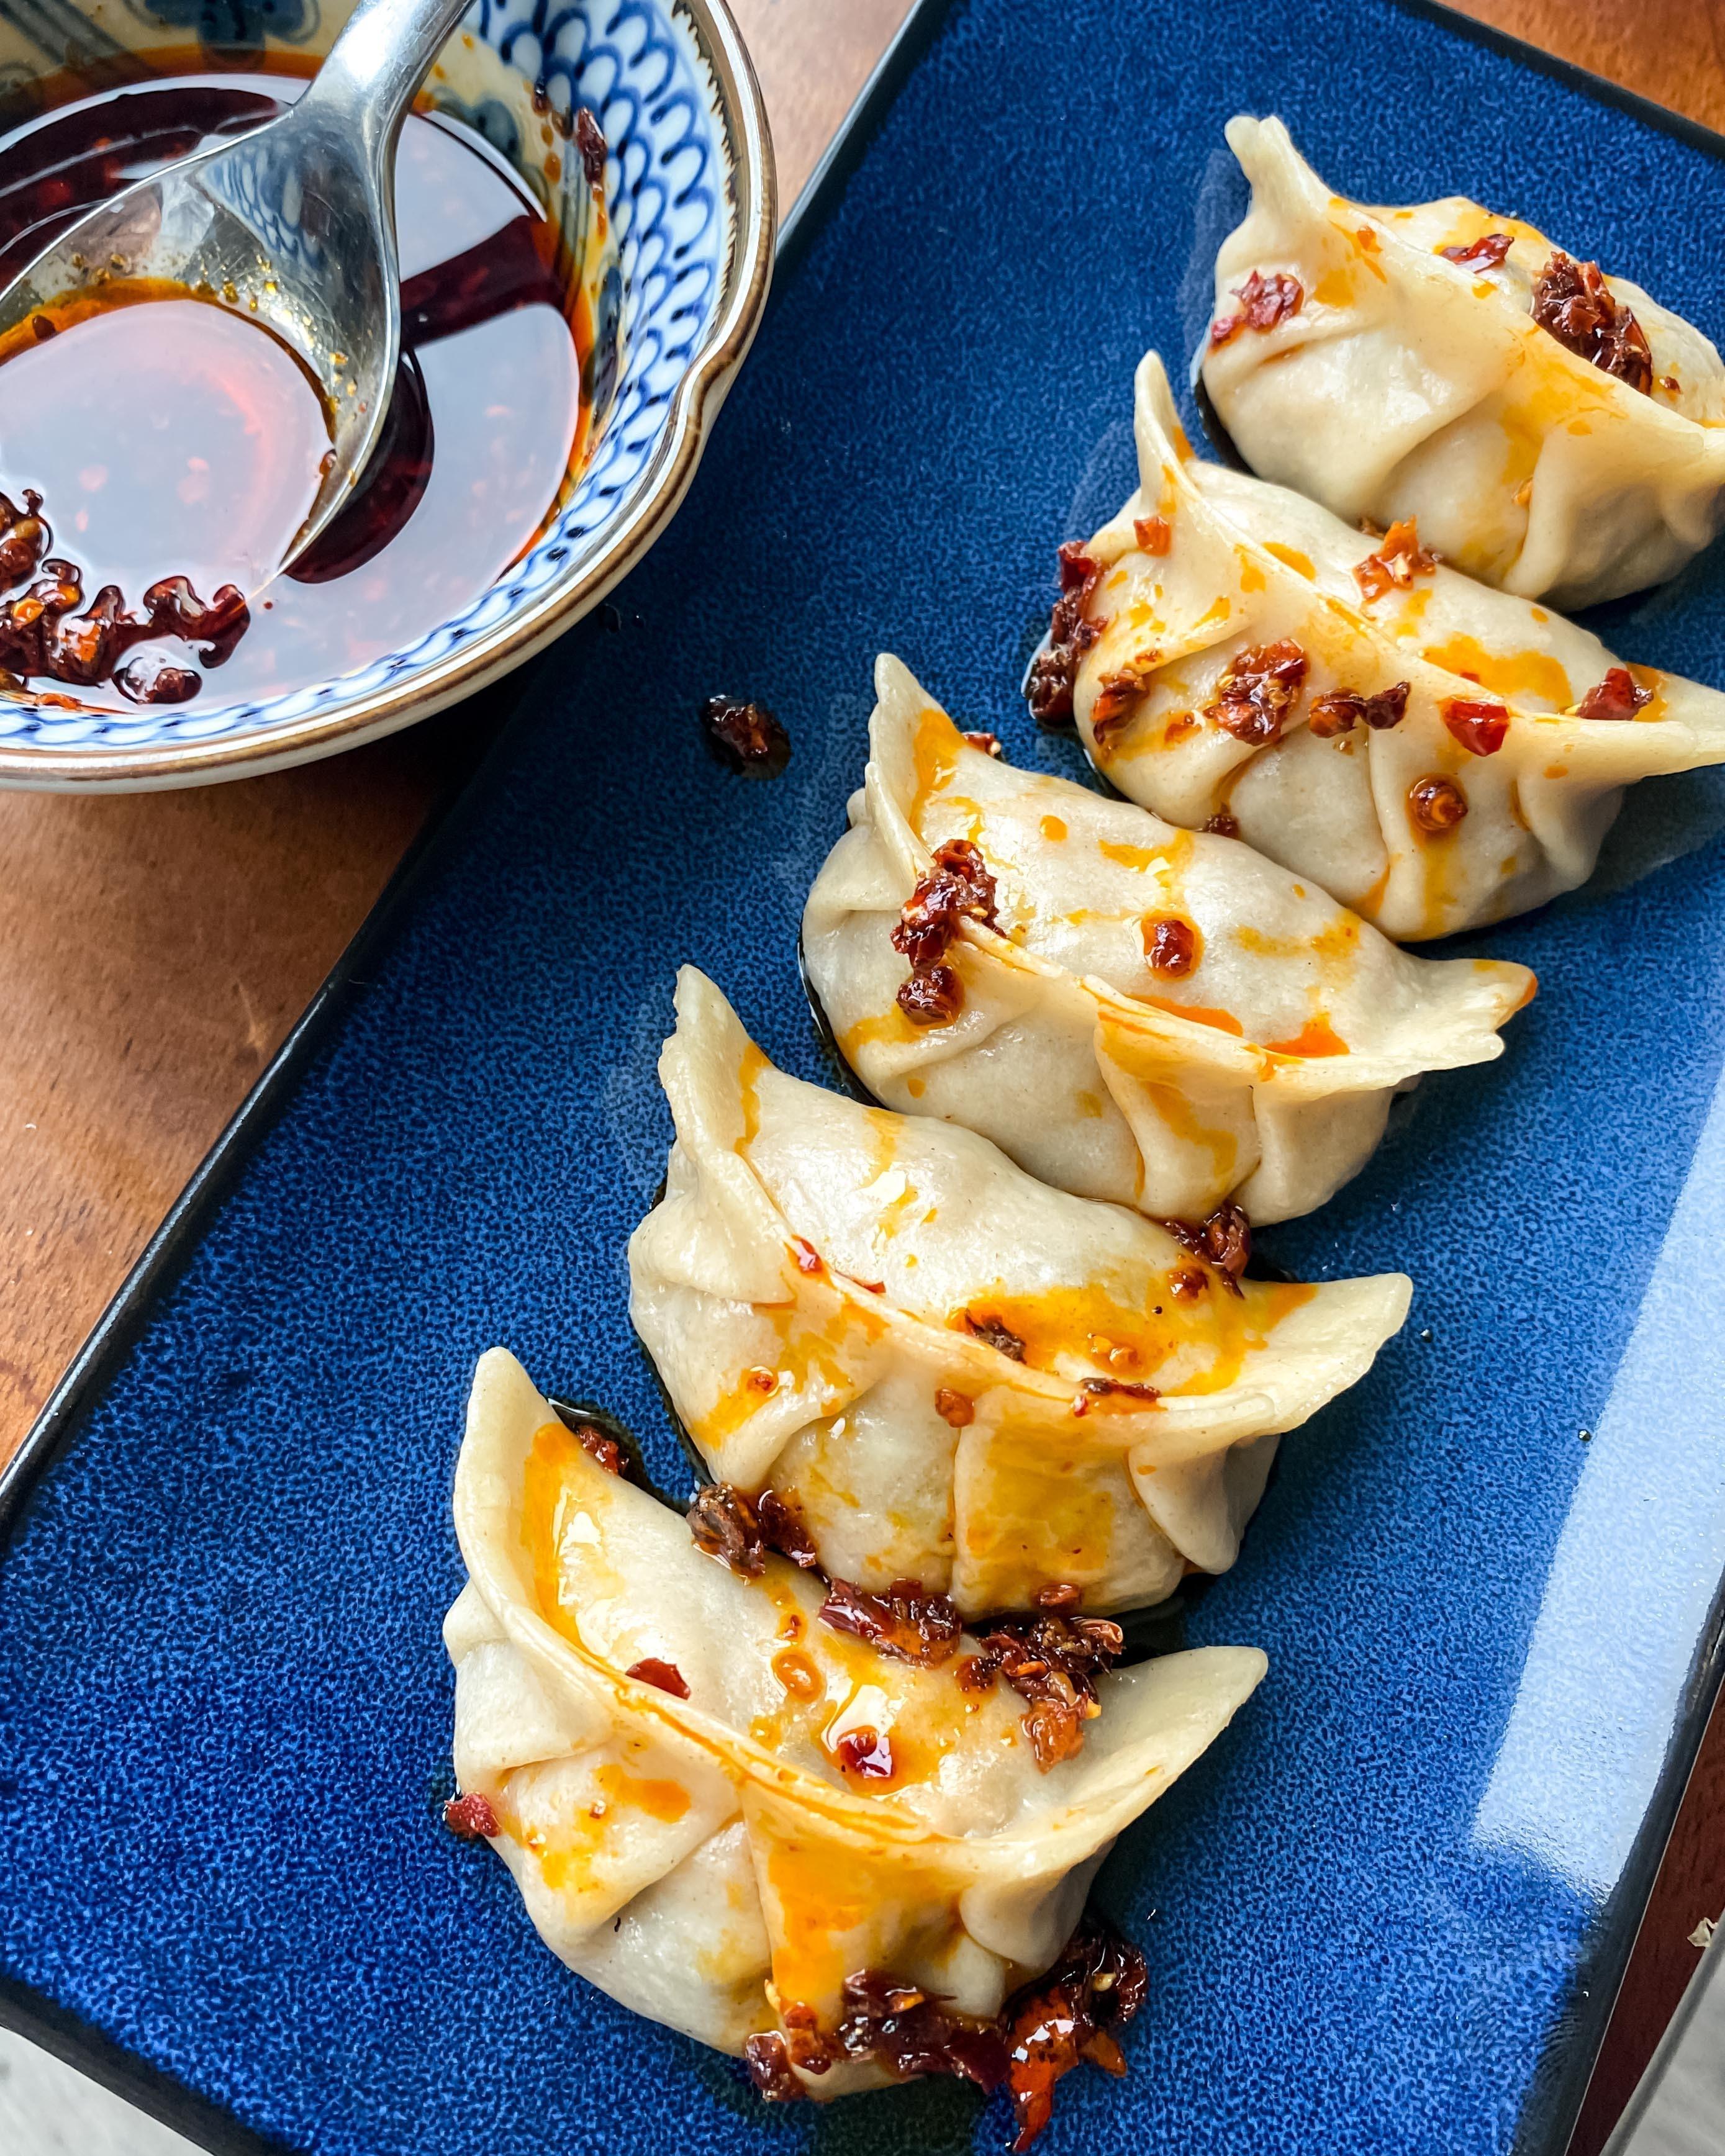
[(614, 546)]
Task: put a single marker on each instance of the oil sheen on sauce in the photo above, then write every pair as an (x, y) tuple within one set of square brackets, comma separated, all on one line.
[(170, 436)]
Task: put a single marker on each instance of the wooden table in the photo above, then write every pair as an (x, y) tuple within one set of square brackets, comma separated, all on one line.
[(155, 949)]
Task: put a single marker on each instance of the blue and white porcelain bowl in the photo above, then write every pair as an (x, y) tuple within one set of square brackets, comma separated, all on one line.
[(689, 188)]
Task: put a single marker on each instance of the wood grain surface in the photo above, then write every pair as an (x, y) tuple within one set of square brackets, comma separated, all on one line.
[(154, 951)]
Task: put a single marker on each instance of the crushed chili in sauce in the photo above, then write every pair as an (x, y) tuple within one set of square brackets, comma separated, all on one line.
[(993, 1334), (905, 1622), (1479, 726), (745, 737), (1572, 303), (738, 1530), (471, 1818), (1339, 711), (1068, 2017), (957, 888), (1224, 825), (989, 744), (1436, 804), (1170, 945), (1053, 672), (1225, 1240), (1619, 696), (1060, 2020), (1259, 690), (1396, 562), (1263, 301), (1485, 253), (1052, 1659), (865, 1753), (664, 1677), (1155, 534)]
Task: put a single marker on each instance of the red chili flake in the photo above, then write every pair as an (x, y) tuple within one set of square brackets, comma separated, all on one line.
[(41, 634), (768, 2061), (1224, 825), (783, 1529), (1396, 562), (42, 329), (1170, 945), (910, 2031), (1485, 253), (665, 1675), (726, 1527), (1097, 1985), (1119, 695), (24, 538), (1436, 804), (1571, 302), (1619, 696), (1051, 1660), (745, 737), (471, 1818), (1339, 711), (905, 1622), (957, 888), (989, 744), (957, 1409), (1225, 1240), (995, 1334), (1100, 1389), (1258, 691), (1053, 673), (590, 141), (1265, 301), (1059, 1594), (933, 997), (1479, 727), (808, 1258), (865, 1751), (154, 680), (1155, 534), (598, 1446)]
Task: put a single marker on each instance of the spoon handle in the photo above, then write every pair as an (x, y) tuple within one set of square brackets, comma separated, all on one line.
[(368, 78)]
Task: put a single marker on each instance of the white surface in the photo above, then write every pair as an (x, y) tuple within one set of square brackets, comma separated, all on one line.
[(46, 2109), (1679, 2109)]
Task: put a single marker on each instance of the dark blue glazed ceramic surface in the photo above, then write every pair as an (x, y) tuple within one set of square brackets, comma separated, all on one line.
[(1385, 1913)]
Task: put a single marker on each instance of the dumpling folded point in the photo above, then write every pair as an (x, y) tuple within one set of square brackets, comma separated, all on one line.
[(751, 1825), (1434, 754), (953, 1374), (1132, 1011), (1553, 430)]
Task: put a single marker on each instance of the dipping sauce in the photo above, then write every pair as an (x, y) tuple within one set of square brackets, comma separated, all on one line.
[(171, 438)]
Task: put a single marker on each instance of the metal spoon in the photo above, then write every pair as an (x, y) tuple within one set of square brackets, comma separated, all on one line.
[(294, 224)]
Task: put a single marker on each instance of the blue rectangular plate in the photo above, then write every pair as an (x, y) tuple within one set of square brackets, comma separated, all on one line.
[(1388, 1910)]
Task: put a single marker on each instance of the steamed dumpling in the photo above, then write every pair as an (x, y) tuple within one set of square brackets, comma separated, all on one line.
[(718, 1808), (956, 1375), (1412, 742), (1397, 363), (1147, 1014)]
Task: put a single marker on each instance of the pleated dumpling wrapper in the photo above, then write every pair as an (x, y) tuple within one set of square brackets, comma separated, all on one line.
[(1553, 430), (718, 1807), (1132, 1011), (952, 1373), (1436, 754)]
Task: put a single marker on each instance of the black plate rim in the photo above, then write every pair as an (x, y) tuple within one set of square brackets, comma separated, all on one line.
[(1561, 2079)]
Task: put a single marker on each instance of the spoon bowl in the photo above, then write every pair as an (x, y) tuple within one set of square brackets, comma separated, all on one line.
[(292, 224)]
